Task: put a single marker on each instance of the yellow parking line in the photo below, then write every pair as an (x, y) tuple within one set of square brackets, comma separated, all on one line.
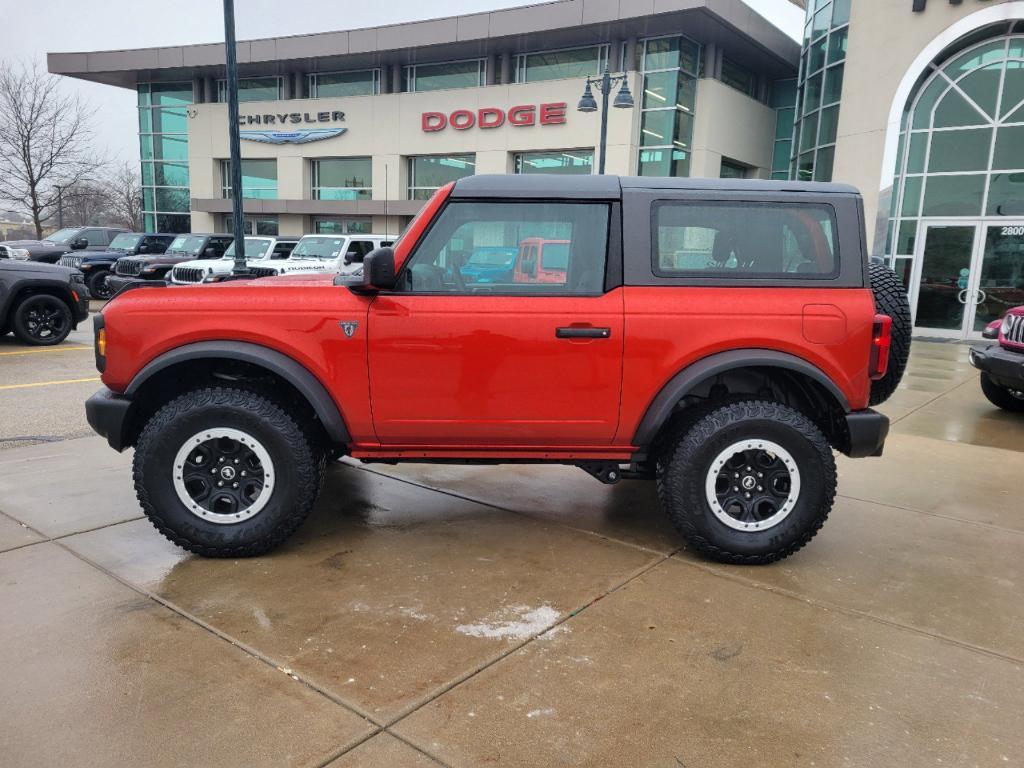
[(48, 383), (41, 351)]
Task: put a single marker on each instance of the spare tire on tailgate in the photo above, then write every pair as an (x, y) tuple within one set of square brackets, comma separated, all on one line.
[(891, 300)]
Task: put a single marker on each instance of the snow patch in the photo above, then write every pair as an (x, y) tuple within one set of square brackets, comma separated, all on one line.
[(517, 622), (540, 713)]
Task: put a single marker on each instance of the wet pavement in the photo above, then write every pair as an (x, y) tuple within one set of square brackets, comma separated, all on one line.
[(525, 616)]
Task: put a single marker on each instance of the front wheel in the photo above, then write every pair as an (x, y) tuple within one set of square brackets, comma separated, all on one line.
[(749, 482), (42, 320), (98, 288), (1003, 397), (225, 472)]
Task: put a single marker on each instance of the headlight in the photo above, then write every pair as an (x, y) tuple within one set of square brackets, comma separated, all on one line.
[(149, 270), (1005, 327), (85, 266), (21, 254)]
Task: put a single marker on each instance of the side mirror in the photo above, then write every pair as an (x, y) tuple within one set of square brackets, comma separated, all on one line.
[(209, 252), (143, 249), (79, 243), (378, 271)]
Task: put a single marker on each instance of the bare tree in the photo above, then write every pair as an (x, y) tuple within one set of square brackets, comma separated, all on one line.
[(124, 192), (45, 138), (87, 203)]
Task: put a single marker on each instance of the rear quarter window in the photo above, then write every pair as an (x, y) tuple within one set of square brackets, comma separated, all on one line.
[(744, 240)]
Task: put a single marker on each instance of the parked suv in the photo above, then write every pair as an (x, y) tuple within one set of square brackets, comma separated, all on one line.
[(62, 241), (98, 266), (719, 337), (183, 248), (336, 254), (1002, 364), (41, 303), (259, 251)]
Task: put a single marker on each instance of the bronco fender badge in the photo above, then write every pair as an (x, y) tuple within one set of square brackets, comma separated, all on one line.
[(349, 327)]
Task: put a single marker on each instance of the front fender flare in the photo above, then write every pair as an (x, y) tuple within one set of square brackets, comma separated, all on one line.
[(661, 407), (308, 385)]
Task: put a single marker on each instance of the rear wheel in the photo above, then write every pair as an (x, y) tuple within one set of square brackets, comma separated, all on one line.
[(42, 320), (1003, 397), (225, 472), (748, 482), (98, 288), (891, 299)]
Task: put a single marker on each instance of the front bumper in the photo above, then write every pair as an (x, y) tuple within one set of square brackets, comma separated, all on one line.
[(80, 310), (1004, 366), (867, 430), (107, 414)]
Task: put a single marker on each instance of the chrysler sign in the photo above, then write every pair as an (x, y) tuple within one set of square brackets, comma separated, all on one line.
[(287, 134), (494, 117)]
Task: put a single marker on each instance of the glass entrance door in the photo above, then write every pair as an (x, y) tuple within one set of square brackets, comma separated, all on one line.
[(1000, 283), (942, 305)]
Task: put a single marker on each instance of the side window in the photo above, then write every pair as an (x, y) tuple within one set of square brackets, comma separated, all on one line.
[(507, 247), (357, 249), (155, 244), (96, 237), (281, 250), (219, 245), (744, 240), (386, 243)]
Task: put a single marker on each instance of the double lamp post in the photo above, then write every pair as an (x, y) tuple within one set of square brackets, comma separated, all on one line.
[(623, 100)]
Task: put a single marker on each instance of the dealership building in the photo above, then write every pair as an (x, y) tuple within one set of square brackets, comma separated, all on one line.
[(919, 103)]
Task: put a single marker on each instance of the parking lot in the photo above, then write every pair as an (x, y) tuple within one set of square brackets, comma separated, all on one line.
[(514, 615)]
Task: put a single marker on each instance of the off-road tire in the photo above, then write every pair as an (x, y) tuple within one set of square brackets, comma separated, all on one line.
[(1000, 396), (97, 285), (891, 299), (41, 302), (687, 457), (298, 465)]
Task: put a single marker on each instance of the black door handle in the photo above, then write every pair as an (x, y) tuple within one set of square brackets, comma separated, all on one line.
[(575, 332)]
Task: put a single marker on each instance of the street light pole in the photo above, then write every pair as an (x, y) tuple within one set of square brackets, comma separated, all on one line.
[(623, 100), (60, 207), (240, 266)]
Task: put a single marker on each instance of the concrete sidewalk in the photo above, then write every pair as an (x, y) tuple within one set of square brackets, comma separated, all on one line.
[(526, 616)]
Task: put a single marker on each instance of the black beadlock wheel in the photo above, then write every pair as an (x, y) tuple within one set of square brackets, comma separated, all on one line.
[(891, 299), (1002, 397), (748, 482), (97, 283), (42, 320), (226, 472)]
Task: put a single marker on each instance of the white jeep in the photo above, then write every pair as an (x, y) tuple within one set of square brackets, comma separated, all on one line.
[(259, 251), (341, 254)]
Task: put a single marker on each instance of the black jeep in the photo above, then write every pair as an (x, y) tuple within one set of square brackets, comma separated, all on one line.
[(98, 266), (41, 303), (131, 269)]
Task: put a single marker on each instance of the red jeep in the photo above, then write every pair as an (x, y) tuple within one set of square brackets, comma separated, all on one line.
[(1002, 364), (542, 261), (719, 337)]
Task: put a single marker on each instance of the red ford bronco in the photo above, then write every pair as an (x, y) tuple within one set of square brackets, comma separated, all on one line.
[(718, 337)]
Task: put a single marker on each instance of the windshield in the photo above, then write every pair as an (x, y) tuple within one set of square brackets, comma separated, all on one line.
[(492, 257), (255, 248), (125, 242), (319, 248), (187, 244), (62, 236)]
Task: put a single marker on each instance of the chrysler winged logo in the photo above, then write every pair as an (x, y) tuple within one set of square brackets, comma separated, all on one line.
[(291, 137), (349, 327)]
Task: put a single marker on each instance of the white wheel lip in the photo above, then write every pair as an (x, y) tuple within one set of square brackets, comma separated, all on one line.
[(745, 445), (234, 434)]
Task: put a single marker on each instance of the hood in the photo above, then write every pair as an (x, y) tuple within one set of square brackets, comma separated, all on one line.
[(103, 255), (164, 258), (319, 279), (46, 270), (20, 243)]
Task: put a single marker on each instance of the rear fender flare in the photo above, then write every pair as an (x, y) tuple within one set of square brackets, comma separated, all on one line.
[(308, 385), (664, 403)]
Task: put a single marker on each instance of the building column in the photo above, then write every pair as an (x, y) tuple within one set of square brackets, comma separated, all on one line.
[(492, 70), (198, 91), (629, 56), (506, 68), (711, 61), (287, 91), (396, 78), (210, 89)]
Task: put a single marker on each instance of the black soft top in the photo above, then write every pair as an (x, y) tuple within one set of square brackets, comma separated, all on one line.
[(611, 187)]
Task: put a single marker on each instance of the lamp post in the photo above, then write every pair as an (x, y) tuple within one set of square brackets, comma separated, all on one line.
[(240, 266), (60, 206), (623, 100)]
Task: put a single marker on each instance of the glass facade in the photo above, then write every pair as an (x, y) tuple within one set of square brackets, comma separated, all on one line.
[(342, 178), (259, 179), (820, 84), (559, 65), (738, 77), (252, 225), (452, 74), (569, 161), (671, 66), (961, 154), (429, 172), (783, 101), (364, 82), (163, 143), (252, 89), (342, 225)]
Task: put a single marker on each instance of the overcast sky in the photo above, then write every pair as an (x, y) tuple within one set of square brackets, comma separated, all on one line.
[(31, 29)]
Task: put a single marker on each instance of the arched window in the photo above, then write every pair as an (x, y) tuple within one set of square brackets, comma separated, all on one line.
[(961, 146)]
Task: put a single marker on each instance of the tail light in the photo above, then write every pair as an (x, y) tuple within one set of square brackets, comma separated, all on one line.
[(881, 343)]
